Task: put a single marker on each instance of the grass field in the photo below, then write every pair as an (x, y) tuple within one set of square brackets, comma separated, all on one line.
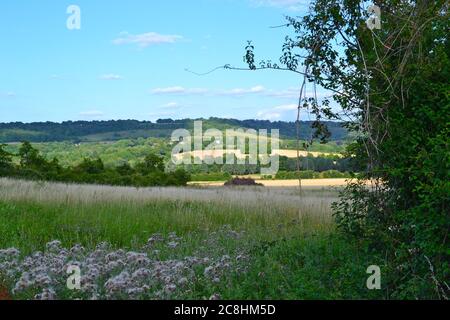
[(166, 243)]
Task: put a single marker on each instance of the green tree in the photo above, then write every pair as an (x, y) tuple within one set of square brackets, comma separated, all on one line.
[(125, 169), (393, 89), (151, 163), (91, 166), (30, 157), (6, 164)]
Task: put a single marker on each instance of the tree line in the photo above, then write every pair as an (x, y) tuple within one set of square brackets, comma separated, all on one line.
[(77, 131), (392, 88), (308, 163), (28, 163)]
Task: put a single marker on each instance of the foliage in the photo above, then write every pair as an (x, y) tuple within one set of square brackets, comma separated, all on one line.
[(151, 163), (320, 164), (392, 85), (309, 174), (91, 131), (131, 150), (32, 165), (6, 164), (214, 176)]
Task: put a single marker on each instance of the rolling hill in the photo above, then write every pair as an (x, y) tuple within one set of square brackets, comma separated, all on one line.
[(114, 130)]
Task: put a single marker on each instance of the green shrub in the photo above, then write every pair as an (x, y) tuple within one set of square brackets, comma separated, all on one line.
[(146, 174)]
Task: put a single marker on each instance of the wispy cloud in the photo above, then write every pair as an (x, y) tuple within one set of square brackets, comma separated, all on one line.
[(178, 90), (171, 105), (238, 92), (292, 5), (91, 114), (9, 94), (294, 93), (110, 76), (277, 112), (145, 39), (288, 93), (269, 115), (286, 107), (159, 115), (169, 90)]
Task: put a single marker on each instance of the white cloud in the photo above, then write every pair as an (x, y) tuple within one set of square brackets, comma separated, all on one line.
[(169, 90), (145, 39), (237, 92), (9, 94), (269, 115), (243, 91), (294, 93), (110, 76), (286, 107), (158, 115), (178, 90), (171, 105), (293, 5), (289, 93), (277, 112), (91, 114)]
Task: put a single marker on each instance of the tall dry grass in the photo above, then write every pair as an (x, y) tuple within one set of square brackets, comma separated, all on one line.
[(291, 248), (311, 200)]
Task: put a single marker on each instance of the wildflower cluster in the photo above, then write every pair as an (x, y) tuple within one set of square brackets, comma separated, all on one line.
[(107, 273)]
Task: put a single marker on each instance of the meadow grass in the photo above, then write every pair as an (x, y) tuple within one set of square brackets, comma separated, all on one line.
[(293, 248)]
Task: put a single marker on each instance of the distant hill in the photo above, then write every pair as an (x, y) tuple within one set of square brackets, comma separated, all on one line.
[(113, 130)]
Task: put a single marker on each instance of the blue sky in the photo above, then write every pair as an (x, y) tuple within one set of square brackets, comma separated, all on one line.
[(128, 60)]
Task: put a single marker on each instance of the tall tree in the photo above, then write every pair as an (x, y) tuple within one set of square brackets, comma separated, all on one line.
[(392, 86), (151, 163), (6, 164), (30, 157)]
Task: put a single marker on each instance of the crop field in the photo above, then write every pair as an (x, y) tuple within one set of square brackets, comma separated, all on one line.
[(217, 153), (169, 243)]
